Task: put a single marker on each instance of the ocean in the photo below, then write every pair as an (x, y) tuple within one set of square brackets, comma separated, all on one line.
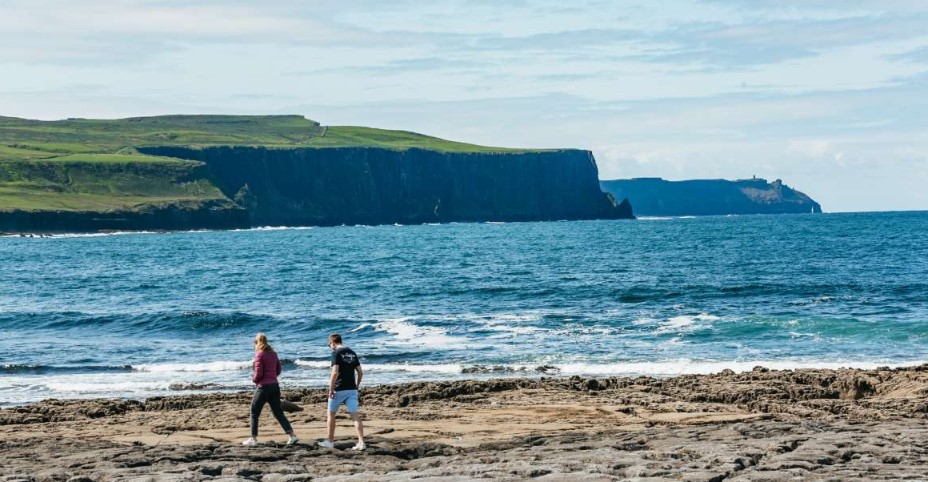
[(137, 315)]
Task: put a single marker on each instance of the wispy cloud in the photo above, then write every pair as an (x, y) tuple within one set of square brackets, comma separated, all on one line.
[(812, 91), (918, 55)]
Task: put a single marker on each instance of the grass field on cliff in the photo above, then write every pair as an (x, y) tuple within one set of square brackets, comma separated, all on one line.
[(31, 139), (93, 165), (101, 182)]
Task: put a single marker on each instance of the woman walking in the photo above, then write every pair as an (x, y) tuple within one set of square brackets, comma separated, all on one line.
[(267, 390)]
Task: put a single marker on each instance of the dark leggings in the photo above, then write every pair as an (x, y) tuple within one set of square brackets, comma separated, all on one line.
[(270, 394)]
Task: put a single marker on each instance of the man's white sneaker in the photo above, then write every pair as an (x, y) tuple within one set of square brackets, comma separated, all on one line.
[(292, 440), (250, 442), (359, 446), (327, 444)]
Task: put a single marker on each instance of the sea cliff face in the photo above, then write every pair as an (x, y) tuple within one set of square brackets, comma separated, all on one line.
[(171, 217), (358, 185), (657, 197)]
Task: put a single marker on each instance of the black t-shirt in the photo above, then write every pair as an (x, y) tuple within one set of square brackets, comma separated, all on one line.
[(347, 360)]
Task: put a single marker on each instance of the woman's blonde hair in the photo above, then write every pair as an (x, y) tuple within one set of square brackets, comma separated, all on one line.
[(261, 343)]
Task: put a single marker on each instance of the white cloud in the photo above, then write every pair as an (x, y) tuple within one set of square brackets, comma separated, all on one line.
[(808, 91)]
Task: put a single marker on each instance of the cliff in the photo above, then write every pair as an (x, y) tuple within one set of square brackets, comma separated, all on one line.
[(217, 172), (657, 197), (363, 185)]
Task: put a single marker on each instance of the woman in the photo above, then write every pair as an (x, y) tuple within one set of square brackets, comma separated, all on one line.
[(267, 368)]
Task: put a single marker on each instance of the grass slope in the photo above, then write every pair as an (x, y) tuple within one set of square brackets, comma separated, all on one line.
[(93, 165), (31, 139), (102, 186)]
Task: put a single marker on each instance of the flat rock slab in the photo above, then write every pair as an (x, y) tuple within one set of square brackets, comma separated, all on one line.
[(755, 426)]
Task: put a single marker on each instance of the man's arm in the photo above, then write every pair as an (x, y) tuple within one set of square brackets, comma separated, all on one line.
[(332, 381), (360, 373)]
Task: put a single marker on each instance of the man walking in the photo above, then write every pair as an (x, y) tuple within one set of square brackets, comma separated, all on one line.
[(343, 388)]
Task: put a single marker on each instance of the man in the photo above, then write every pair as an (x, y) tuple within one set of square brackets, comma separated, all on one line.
[(343, 389)]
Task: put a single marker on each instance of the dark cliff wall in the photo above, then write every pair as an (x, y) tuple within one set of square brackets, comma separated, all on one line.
[(381, 186), (172, 217), (657, 197)]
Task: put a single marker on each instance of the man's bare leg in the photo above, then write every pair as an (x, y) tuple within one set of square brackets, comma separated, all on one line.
[(358, 426), (330, 421)]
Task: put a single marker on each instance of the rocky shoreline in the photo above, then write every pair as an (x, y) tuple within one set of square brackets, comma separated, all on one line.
[(761, 425)]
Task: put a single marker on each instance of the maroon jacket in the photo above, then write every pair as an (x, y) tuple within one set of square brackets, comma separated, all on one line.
[(267, 367)]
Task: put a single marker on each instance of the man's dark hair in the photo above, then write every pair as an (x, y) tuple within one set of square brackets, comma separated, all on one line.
[(335, 338)]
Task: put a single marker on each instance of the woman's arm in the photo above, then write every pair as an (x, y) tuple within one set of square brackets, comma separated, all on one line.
[(259, 368)]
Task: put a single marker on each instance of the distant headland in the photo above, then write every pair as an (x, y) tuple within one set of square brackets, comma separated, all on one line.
[(652, 196), (221, 172)]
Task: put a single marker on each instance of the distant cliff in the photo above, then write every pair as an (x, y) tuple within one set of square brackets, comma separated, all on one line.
[(657, 197), (365, 185), (217, 172)]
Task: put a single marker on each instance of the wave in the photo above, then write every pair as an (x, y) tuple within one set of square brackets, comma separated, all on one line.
[(276, 228), (662, 368), (686, 323), (79, 235), (445, 368), (405, 333), (198, 321), (216, 366), (27, 369), (697, 367)]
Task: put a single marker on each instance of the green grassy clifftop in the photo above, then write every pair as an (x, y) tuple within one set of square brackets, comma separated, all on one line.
[(32, 139)]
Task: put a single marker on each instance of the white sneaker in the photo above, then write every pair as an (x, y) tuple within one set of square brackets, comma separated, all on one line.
[(292, 440), (250, 442), (359, 446), (326, 444)]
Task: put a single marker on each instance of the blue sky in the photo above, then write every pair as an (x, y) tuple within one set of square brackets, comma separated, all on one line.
[(830, 96)]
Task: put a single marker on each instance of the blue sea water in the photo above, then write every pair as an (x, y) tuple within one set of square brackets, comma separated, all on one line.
[(139, 315)]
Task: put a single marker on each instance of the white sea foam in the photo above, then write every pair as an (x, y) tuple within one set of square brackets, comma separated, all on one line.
[(123, 233), (89, 235), (654, 218), (643, 321), (448, 368), (695, 367), (657, 368), (506, 324), (216, 366), (410, 334), (89, 387), (314, 364), (684, 323), (277, 228)]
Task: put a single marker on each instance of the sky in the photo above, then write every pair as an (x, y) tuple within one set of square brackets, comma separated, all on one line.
[(829, 96)]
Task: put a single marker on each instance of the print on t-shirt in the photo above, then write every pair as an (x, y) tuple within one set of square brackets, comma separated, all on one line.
[(347, 360)]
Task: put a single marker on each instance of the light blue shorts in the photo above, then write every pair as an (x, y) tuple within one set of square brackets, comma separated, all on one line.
[(348, 397)]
